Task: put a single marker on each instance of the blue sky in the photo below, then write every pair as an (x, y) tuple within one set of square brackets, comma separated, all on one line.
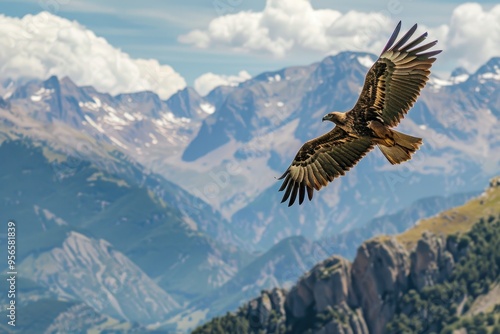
[(152, 29)]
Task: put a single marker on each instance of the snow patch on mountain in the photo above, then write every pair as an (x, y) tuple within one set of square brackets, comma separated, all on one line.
[(41, 94), (437, 83), (208, 108), (489, 76), (459, 78)]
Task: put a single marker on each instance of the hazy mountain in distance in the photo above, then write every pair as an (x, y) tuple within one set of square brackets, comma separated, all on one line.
[(94, 237), (265, 120)]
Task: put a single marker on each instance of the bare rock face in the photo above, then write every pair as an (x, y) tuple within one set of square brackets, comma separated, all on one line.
[(344, 298), (327, 284), (431, 263), (495, 182), (326, 297), (380, 277), (261, 309), (337, 297), (333, 284)]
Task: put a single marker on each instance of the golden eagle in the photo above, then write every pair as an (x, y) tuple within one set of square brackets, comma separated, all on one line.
[(391, 87)]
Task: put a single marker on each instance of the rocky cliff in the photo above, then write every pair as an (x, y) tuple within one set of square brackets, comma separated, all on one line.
[(384, 282), (340, 297)]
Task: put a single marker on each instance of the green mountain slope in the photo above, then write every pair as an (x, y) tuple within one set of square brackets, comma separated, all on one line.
[(46, 202), (459, 219), (50, 200), (445, 306)]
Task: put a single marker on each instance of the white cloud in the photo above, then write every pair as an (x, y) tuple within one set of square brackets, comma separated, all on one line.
[(471, 37), (285, 26), (38, 46), (208, 81)]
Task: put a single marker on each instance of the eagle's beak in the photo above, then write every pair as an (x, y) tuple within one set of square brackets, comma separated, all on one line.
[(325, 118)]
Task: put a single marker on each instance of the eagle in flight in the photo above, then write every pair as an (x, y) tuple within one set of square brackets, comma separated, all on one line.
[(391, 87)]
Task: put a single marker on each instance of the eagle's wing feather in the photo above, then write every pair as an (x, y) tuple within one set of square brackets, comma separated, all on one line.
[(319, 161), (393, 83)]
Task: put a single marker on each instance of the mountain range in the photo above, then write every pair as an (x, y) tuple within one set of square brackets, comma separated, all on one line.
[(172, 205)]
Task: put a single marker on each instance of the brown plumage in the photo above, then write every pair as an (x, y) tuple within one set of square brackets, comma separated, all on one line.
[(391, 87)]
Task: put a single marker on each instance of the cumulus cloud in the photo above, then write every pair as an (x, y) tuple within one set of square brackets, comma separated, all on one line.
[(285, 26), (471, 37), (38, 46), (208, 81)]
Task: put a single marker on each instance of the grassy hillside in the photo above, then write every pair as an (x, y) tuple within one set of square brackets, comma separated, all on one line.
[(346, 243), (459, 219)]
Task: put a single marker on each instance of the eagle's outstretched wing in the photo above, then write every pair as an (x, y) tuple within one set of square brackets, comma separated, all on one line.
[(394, 82), (319, 161)]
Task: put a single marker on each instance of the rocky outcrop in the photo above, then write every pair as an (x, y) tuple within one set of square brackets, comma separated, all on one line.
[(364, 295), (326, 296), (431, 262), (380, 276), (495, 182), (267, 311), (337, 297), (328, 283)]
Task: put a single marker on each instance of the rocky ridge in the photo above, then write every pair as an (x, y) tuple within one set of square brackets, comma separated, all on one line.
[(340, 297)]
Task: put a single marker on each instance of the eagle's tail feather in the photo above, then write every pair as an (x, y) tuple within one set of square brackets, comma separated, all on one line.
[(404, 147)]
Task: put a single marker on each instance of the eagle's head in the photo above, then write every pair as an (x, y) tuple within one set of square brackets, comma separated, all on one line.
[(335, 117)]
